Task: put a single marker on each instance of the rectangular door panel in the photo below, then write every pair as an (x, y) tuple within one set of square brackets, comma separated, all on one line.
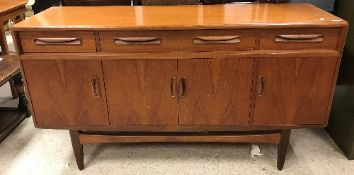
[(139, 92), (293, 91), (66, 93), (218, 91)]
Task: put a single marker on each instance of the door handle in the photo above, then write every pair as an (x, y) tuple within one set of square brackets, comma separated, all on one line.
[(306, 38), (137, 41), (95, 85), (173, 88), (260, 86), (183, 87), (217, 40), (57, 41)]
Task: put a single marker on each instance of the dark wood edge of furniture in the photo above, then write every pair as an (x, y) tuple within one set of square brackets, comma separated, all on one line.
[(278, 137), (17, 116), (11, 117), (170, 128), (3, 81)]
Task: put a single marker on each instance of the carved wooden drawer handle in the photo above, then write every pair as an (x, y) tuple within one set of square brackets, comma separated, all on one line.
[(217, 40), (57, 41), (312, 38), (137, 41)]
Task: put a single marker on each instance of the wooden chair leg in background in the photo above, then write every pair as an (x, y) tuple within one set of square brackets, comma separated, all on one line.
[(20, 91), (283, 147), (78, 148), (13, 89)]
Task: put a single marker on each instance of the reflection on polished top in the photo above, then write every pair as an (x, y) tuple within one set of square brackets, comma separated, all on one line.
[(6, 5), (182, 17)]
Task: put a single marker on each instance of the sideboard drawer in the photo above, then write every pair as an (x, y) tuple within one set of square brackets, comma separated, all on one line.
[(139, 41), (58, 41), (286, 39), (212, 40)]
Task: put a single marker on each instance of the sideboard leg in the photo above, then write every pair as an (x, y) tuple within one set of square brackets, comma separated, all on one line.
[(78, 148), (283, 147)]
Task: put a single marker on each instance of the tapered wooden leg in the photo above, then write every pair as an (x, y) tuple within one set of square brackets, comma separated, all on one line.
[(283, 147), (78, 148)]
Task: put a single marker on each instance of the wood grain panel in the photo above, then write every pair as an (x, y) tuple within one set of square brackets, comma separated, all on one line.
[(328, 39), (138, 92), (273, 138), (87, 39), (62, 94), (296, 90), (218, 91), (193, 55)]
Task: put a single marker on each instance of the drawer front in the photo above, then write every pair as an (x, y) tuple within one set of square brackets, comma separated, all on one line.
[(286, 39), (212, 40), (74, 42), (139, 41)]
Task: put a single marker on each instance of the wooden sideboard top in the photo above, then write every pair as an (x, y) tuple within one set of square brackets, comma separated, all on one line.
[(7, 5), (181, 17)]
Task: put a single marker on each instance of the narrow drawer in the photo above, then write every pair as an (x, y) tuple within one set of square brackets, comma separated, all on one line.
[(286, 39), (139, 41), (211, 40), (58, 41)]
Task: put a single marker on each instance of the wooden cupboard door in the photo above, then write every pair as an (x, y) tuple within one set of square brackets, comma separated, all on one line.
[(295, 91), (217, 91), (138, 92), (66, 92)]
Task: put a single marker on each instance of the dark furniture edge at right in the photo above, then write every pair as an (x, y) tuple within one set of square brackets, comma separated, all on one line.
[(341, 121)]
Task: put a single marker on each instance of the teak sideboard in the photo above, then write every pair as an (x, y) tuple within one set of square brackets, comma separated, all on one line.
[(220, 73)]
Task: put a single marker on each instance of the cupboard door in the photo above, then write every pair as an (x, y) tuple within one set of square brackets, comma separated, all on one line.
[(139, 92), (217, 91), (293, 91), (66, 92)]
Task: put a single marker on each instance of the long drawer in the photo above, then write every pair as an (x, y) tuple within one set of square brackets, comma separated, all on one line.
[(299, 38), (58, 41), (218, 40), (157, 41)]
